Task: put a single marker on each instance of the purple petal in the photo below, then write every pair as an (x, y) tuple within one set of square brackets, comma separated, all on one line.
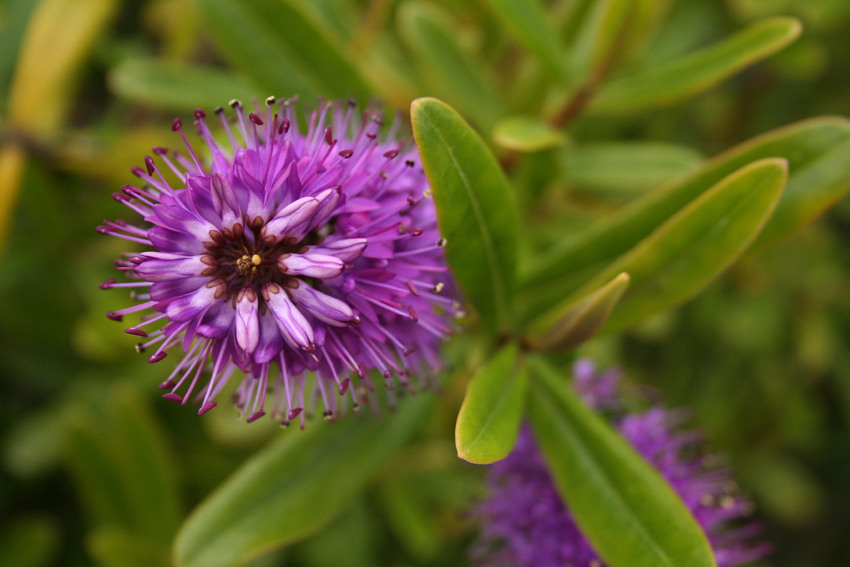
[(347, 250), (178, 267), (311, 265), (292, 221), (190, 306), (224, 201), (247, 324), (294, 327), (321, 306), (270, 342)]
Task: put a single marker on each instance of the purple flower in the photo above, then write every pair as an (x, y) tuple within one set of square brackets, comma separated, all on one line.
[(524, 522), (298, 259)]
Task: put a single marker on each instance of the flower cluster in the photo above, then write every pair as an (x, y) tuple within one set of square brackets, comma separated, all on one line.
[(302, 260), (524, 522)]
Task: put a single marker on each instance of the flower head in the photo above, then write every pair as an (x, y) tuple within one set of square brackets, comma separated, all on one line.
[(524, 522), (300, 260)]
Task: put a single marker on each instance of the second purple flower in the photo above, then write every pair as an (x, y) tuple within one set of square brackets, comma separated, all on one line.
[(286, 256)]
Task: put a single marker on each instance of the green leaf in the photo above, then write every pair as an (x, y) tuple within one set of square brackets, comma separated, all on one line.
[(526, 134), (601, 37), (805, 145), (13, 23), (697, 72), (294, 487), (572, 322), (280, 48), (531, 25), (489, 418), (694, 246), (29, 541), (630, 515), (476, 209), (111, 546), (178, 86), (429, 32), (628, 167)]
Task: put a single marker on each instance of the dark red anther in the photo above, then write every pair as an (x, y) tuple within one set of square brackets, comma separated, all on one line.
[(200, 114), (137, 171), (135, 331), (345, 154), (361, 370), (157, 357), (107, 284), (256, 415), (149, 165), (207, 407), (388, 373), (409, 351), (371, 136), (343, 388), (218, 110), (255, 119), (172, 397), (176, 125), (391, 154), (415, 231), (413, 314), (329, 136), (284, 127), (409, 163), (167, 385), (412, 288), (115, 316), (159, 150), (294, 413)]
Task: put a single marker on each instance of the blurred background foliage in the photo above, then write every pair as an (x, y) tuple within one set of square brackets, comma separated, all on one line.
[(96, 470)]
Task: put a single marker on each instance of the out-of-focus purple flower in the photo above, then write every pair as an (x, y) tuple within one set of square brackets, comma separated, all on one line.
[(302, 260), (524, 522)]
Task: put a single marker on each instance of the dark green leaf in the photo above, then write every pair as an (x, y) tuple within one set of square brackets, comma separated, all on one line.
[(692, 248), (294, 487), (571, 323), (631, 516), (450, 72), (475, 207), (562, 269), (279, 47), (178, 86), (529, 23), (697, 72), (489, 418), (28, 541)]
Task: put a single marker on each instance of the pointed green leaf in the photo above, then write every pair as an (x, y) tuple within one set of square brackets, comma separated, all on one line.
[(813, 178), (601, 36), (489, 418), (696, 72), (628, 512), (529, 23), (178, 86), (694, 246), (111, 546), (526, 134), (628, 167), (278, 46), (450, 72), (476, 209), (572, 322), (294, 487)]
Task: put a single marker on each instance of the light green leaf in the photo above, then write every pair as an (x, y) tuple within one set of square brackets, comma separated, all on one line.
[(489, 418), (628, 167), (526, 134), (294, 487), (476, 209), (694, 246), (570, 323), (178, 86), (627, 511), (697, 72), (111, 546), (280, 48), (429, 32), (805, 145), (529, 23), (601, 36)]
